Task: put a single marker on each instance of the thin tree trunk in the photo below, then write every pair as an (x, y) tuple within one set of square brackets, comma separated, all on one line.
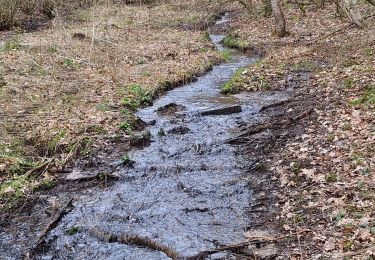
[(280, 27), (354, 13)]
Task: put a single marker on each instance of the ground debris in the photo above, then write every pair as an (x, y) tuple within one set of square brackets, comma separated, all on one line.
[(181, 130), (78, 175), (322, 172), (170, 109), (134, 240), (224, 110)]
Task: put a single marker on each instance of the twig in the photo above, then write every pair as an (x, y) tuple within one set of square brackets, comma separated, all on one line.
[(298, 3), (302, 115), (41, 167), (337, 31), (273, 105), (349, 254), (328, 35), (253, 240), (299, 242)]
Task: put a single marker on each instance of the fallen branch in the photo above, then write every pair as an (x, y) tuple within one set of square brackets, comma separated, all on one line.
[(251, 241), (40, 168), (51, 225), (328, 35), (273, 105), (337, 31), (350, 254), (302, 115), (298, 3)]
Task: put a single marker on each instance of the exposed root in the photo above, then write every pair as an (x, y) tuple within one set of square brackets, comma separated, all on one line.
[(134, 240)]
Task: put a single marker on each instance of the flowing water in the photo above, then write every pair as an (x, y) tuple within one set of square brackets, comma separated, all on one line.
[(187, 191)]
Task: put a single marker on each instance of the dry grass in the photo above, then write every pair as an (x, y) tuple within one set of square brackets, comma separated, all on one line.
[(26, 13), (331, 190), (65, 87)]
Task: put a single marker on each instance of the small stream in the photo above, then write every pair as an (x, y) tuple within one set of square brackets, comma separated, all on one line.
[(187, 190)]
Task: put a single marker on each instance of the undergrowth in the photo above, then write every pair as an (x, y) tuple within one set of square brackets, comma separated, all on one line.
[(234, 84), (232, 41)]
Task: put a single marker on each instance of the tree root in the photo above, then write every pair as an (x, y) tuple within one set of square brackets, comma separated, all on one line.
[(134, 240)]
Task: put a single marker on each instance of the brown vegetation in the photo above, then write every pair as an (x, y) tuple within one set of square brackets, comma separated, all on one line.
[(64, 88), (325, 175)]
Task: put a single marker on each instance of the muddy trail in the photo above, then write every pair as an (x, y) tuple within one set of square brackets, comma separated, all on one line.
[(187, 191)]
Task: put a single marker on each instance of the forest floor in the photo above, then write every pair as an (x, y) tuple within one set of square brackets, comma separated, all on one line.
[(70, 90), (104, 63), (323, 177)]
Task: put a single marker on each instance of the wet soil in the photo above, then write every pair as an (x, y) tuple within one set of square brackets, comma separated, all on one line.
[(188, 191)]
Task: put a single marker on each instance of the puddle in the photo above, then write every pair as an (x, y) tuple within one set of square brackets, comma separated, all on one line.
[(187, 191)]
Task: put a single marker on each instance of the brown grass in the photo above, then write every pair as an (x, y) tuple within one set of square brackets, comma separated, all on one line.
[(68, 86), (23, 13), (340, 68)]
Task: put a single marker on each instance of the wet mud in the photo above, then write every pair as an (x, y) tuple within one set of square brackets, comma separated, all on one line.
[(187, 191)]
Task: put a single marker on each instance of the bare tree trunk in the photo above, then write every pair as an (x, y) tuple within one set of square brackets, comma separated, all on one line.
[(354, 13), (280, 29)]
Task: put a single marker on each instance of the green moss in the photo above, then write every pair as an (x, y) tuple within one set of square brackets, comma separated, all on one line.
[(206, 36), (161, 132), (45, 184), (305, 65), (233, 41), (52, 49), (234, 84), (70, 63), (14, 190), (12, 45), (126, 127), (136, 97), (330, 138), (225, 55), (13, 156), (72, 231), (339, 216), (349, 82), (125, 159), (366, 99), (331, 177), (55, 141), (140, 62), (369, 52), (295, 167)]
